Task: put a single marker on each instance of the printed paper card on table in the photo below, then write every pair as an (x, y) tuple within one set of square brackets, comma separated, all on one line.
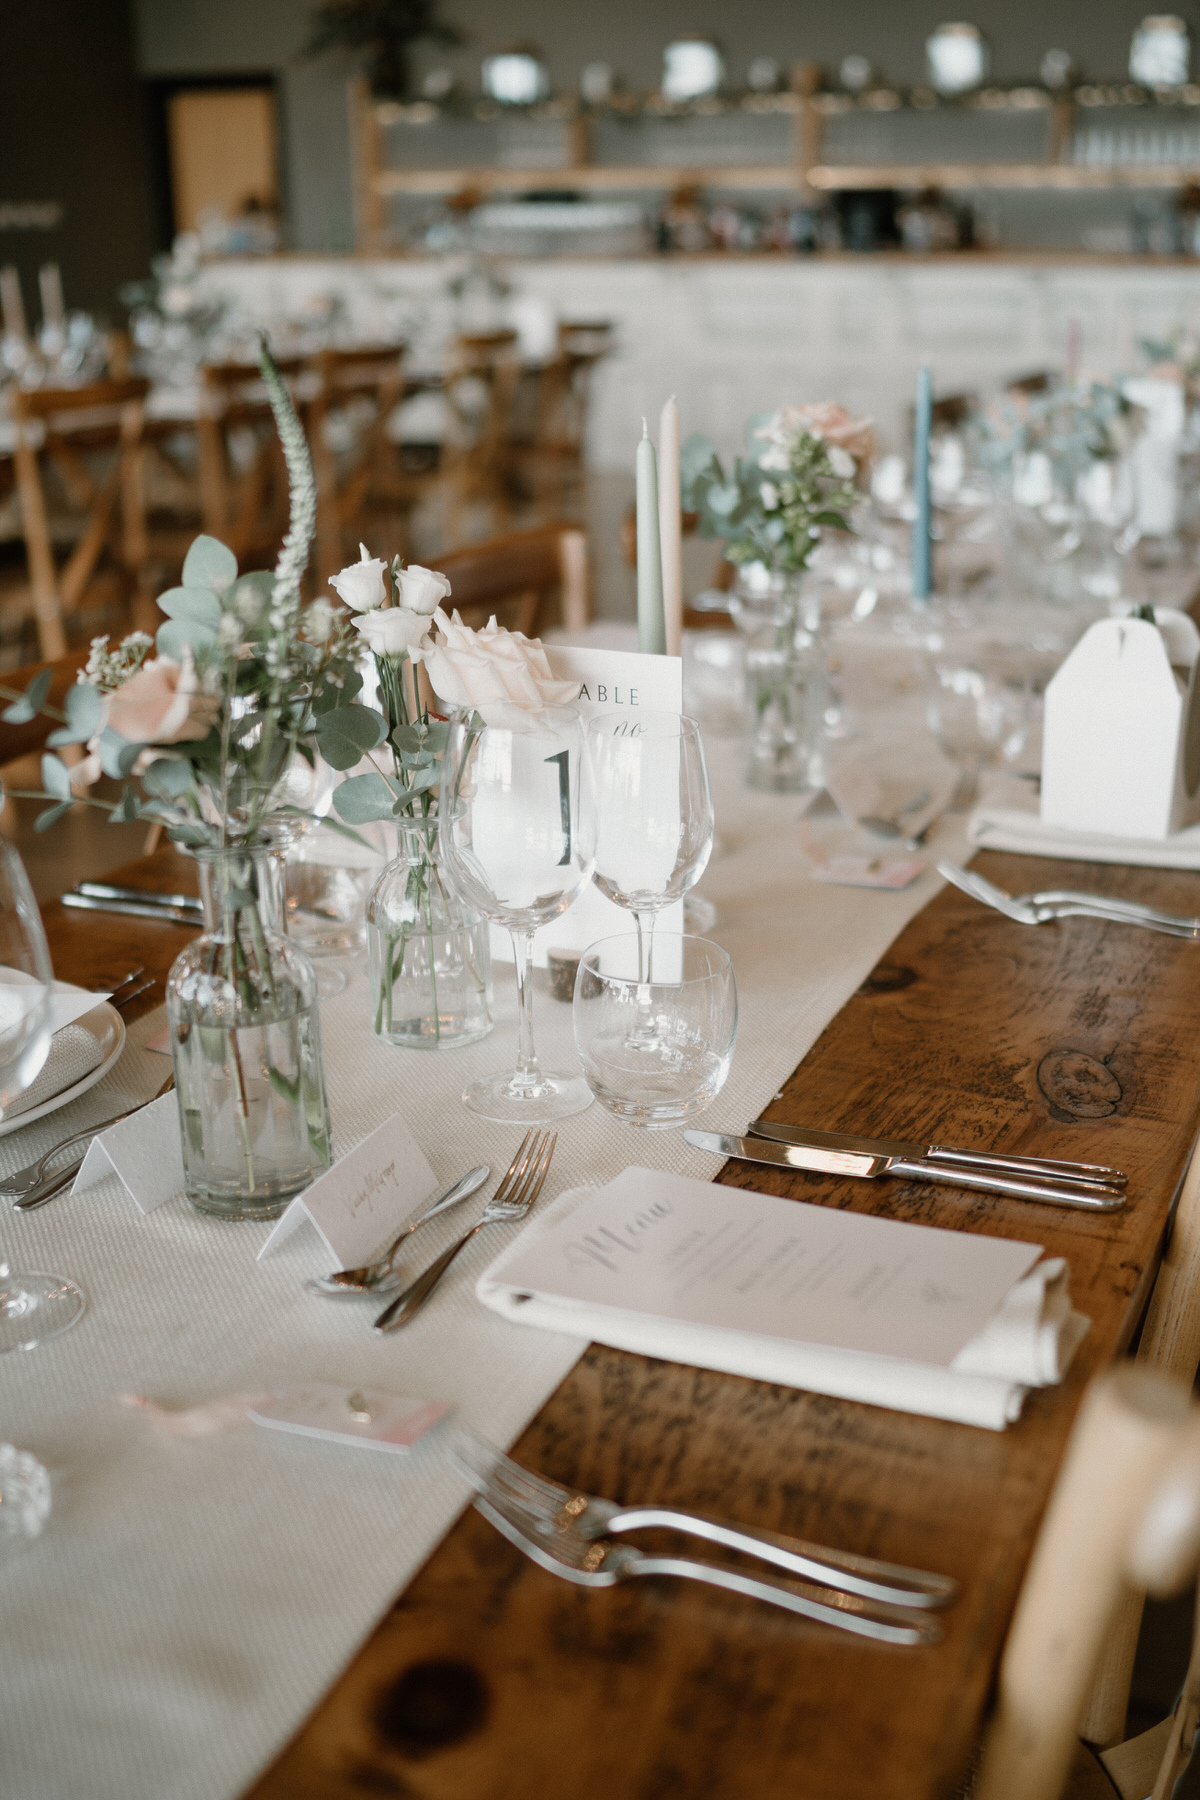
[(144, 1153), (364, 1198), (609, 681)]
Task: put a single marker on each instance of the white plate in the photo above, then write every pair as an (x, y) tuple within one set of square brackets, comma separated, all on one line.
[(108, 1028)]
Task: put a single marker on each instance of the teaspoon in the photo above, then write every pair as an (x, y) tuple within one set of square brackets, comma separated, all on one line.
[(371, 1278)]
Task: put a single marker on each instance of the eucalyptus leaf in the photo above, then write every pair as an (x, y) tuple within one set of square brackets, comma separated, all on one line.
[(31, 701), (117, 754), (200, 605), (189, 832), (344, 737), (415, 739), (364, 798), (51, 816), (169, 777), (85, 710), (210, 564), (178, 636), (128, 810), (328, 697), (56, 778)]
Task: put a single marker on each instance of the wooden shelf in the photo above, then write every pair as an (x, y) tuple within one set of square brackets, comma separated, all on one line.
[(601, 178), (1070, 177)]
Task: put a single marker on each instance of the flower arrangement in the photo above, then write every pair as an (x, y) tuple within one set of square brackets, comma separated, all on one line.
[(796, 479), (1071, 427)]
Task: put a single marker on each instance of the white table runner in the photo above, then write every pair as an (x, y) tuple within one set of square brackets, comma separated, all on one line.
[(192, 1599)]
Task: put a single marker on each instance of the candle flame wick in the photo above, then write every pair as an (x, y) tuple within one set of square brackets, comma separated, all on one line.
[(645, 429)]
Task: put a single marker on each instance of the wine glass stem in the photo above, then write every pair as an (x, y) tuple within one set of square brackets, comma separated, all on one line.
[(527, 1071), (645, 934)]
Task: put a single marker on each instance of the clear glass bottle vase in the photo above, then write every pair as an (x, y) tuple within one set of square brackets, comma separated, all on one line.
[(429, 968), (786, 684), (246, 1043)]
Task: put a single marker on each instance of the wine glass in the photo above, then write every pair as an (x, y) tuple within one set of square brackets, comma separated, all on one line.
[(34, 1305), (654, 814), (517, 829), (978, 710)]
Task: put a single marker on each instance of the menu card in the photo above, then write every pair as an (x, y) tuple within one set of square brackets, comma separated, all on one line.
[(677, 1249)]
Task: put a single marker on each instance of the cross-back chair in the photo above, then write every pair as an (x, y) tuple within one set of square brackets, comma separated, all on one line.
[(78, 452), (547, 455), (243, 478), (529, 579), (480, 385), (355, 393)]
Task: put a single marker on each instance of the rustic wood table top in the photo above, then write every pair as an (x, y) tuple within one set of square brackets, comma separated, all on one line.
[(490, 1679)]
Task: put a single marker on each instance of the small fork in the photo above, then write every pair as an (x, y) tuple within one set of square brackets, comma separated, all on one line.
[(1040, 909), (518, 1189), (564, 1511), (599, 1563)]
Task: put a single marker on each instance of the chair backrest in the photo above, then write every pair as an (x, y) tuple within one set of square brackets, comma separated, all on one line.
[(59, 428), (366, 380), (519, 577), (1125, 1512)]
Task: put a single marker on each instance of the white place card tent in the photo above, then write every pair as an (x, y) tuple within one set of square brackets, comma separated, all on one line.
[(1121, 746)]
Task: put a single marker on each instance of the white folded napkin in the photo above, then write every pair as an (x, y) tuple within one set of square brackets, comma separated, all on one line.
[(1028, 1342), (1008, 819), (74, 1053)]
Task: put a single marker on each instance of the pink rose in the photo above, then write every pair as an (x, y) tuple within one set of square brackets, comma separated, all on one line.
[(827, 420), (162, 704)]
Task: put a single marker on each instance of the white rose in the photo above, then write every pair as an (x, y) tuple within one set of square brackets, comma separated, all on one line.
[(769, 495), (362, 586), (421, 590), (493, 670), (840, 461), (392, 630)]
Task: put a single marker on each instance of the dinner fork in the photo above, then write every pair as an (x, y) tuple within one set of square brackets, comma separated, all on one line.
[(519, 1188), (588, 1516), (1036, 909), (599, 1563)]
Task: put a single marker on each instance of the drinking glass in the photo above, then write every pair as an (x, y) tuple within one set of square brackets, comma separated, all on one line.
[(978, 710), (34, 1305), (656, 1078), (654, 814), (517, 832)]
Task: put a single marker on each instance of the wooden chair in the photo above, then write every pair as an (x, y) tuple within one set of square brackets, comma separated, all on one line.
[(86, 442), (479, 389), (243, 479), (546, 459), (1125, 1513), (529, 579), (355, 394)]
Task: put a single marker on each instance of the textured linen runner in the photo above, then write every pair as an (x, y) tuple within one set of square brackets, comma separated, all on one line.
[(192, 1599)]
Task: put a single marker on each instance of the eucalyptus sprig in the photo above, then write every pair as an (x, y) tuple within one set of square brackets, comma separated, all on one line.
[(774, 502)]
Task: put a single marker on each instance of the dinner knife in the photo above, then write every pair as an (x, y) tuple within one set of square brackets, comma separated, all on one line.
[(1074, 1174), (869, 1163), (134, 909), (110, 890)]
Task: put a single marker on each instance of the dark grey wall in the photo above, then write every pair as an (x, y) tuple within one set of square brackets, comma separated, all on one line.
[(205, 36), (71, 133)]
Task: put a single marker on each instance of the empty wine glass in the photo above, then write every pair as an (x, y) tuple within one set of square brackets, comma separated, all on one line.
[(978, 710), (34, 1305), (517, 829), (654, 814)]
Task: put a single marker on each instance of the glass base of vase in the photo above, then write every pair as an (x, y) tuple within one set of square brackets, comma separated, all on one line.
[(234, 1207), (502, 1098), (35, 1306)]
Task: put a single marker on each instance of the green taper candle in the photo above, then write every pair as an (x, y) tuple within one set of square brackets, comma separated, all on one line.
[(652, 627)]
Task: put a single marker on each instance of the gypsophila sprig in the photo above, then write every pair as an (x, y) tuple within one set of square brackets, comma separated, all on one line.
[(796, 480), (107, 669)]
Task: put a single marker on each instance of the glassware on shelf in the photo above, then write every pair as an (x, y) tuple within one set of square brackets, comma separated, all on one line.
[(517, 838), (654, 814), (34, 1304), (429, 965), (246, 1043), (656, 1052)]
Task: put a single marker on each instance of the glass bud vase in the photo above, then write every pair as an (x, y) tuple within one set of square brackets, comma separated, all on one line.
[(429, 968), (246, 1043), (786, 683)]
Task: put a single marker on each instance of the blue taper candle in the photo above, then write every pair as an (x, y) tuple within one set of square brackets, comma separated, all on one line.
[(652, 628), (922, 543)]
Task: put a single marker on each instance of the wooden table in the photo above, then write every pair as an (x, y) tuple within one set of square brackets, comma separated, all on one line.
[(491, 1680)]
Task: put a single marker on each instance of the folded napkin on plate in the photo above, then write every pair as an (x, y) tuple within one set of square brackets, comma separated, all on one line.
[(1028, 1342), (74, 1053), (1009, 820)]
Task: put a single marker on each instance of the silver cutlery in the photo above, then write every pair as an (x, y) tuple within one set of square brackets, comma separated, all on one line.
[(872, 1159), (599, 1563), (32, 1186), (373, 1278), (1041, 909), (828, 1146), (519, 1188), (589, 1516), (108, 890), (133, 909)]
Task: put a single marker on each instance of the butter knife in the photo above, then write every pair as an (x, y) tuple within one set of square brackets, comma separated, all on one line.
[(869, 1162), (1074, 1174)]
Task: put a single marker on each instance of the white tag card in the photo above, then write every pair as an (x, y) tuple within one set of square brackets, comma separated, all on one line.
[(143, 1151), (362, 1416), (363, 1198), (609, 681)]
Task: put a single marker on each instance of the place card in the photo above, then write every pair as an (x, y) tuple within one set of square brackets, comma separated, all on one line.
[(364, 1198), (870, 871), (143, 1152), (673, 1249), (608, 681), (69, 1004), (341, 1415)]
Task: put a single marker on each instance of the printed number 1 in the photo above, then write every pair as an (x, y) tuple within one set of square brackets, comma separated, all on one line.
[(564, 801)]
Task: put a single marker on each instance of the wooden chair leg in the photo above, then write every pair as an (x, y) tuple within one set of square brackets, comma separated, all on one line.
[(1170, 1343), (42, 579), (573, 559)]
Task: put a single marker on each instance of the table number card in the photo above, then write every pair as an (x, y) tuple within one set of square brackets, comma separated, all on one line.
[(609, 681), (364, 1198)]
